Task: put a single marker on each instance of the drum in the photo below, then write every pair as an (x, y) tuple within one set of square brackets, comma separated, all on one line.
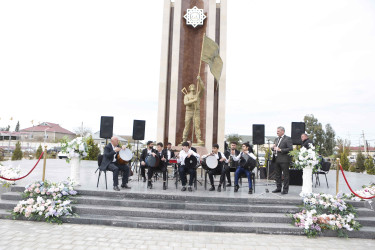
[(209, 163), (152, 161), (124, 156), (191, 162)]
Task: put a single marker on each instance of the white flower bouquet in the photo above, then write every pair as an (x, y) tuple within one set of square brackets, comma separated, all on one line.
[(9, 172), (75, 148), (304, 158)]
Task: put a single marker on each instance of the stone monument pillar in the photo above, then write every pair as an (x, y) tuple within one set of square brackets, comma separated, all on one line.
[(179, 68)]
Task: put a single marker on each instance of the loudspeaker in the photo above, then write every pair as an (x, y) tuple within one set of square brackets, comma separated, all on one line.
[(106, 127), (298, 128), (139, 129), (258, 134)]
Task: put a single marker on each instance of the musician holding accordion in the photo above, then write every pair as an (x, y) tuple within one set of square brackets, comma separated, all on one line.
[(188, 160), (246, 163), (216, 167), (159, 165)]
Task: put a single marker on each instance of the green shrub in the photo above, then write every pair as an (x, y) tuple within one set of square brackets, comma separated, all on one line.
[(38, 151), (17, 154)]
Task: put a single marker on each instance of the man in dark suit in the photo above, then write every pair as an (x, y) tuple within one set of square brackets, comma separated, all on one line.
[(163, 156), (306, 141), (109, 162), (282, 146), (191, 146), (146, 152), (231, 163)]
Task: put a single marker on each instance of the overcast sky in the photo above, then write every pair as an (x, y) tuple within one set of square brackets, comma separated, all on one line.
[(73, 61)]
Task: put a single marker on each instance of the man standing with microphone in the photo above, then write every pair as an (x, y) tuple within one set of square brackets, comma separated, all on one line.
[(281, 148)]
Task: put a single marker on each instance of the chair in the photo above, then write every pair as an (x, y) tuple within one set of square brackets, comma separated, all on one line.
[(100, 159), (205, 180), (325, 167), (178, 177), (252, 179)]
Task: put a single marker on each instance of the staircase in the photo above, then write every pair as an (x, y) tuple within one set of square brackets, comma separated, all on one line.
[(190, 213)]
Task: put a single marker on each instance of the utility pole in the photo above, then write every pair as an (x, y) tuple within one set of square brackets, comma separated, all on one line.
[(364, 141)]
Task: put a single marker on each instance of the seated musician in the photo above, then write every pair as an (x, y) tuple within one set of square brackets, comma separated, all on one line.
[(186, 152), (170, 152), (246, 149), (219, 169), (109, 162), (163, 155), (231, 164), (146, 152)]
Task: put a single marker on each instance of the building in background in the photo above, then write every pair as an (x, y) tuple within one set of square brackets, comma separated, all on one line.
[(46, 132)]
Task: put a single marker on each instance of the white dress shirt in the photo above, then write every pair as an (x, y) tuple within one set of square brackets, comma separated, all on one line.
[(238, 157), (114, 157), (182, 155)]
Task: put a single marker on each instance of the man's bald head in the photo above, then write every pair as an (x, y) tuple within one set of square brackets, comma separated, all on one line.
[(114, 140)]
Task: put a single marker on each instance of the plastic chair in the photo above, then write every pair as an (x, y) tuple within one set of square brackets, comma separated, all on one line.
[(325, 167), (100, 159)]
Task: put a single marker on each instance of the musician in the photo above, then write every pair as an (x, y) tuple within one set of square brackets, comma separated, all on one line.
[(219, 169), (246, 149), (231, 164), (306, 141), (163, 156), (191, 146), (186, 152), (282, 146), (170, 152), (146, 152), (109, 162)]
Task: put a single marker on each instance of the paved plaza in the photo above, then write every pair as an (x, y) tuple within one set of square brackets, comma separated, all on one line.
[(39, 235)]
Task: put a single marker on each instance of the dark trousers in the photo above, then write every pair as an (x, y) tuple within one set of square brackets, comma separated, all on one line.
[(151, 172), (284, 168), (183, 170), (115, 168), (143, 170), (239, 172), (226, 170), (216, 171)]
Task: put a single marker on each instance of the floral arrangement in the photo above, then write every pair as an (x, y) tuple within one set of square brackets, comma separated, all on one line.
[(305, 157), (325, 212), (75, 148), (9, 172), (366, 191), (46, 201)]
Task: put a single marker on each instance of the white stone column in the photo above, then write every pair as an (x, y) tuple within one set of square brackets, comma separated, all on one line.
[(163, 71)]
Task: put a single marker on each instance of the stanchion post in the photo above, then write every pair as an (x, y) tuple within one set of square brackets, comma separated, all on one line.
[(337, 175), (44, 163)]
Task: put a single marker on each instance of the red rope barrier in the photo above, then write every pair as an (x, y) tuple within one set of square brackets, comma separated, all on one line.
[(40, 157), (342, 171)]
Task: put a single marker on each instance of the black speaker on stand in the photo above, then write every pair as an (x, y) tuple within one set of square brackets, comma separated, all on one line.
[(258, 139), (106, 127), (298, 128), (138, 134)]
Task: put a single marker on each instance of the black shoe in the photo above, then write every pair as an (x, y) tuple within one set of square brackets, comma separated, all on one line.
[(284, 192), (144, 179), (125, 186), (183, 189), (164, 186), (236, 188), (212, 188), (116, 188), (276, 191), (229, 185), (250, 190), (149, 185), (219, 188), (190, 189)]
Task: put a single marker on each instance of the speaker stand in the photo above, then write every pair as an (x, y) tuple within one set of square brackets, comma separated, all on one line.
[(135, 167)]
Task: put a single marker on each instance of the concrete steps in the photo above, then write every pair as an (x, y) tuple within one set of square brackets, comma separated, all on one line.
[(189, 212)]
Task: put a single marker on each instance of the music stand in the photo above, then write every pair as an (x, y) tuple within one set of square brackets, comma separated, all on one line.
[(266, 191), (136, 162)]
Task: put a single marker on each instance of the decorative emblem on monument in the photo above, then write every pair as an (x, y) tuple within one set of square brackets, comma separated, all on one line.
[(194, 17)]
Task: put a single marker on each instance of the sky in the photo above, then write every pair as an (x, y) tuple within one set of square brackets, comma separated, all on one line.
[(73, 61)]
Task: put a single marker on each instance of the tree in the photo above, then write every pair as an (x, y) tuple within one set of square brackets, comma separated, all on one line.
[(17, 129), (93, 149), (369, 165), (329, 140), (360, 162), (315, 130), (82, 131), (344, 159), (17, 154), (38, 151)]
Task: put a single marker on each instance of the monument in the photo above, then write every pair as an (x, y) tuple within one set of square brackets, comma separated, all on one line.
[(192, 92)]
